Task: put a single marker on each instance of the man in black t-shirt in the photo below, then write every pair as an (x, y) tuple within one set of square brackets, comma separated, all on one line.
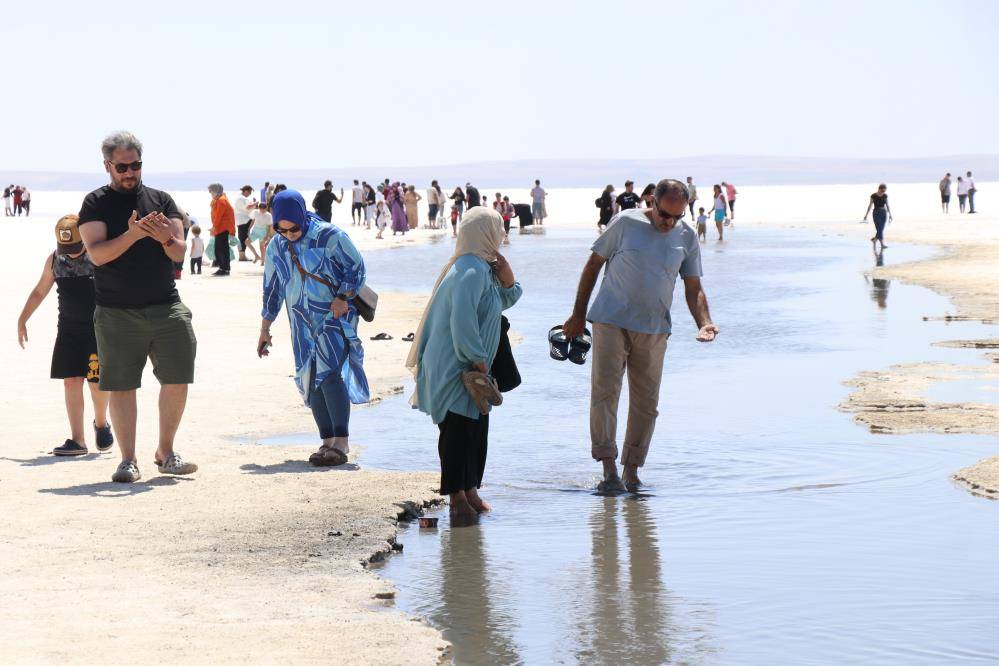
[(133, 235), (628, 199), (322, 203)]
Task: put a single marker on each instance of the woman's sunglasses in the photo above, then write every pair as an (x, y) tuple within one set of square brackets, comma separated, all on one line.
[(284, 231), (122, 167)]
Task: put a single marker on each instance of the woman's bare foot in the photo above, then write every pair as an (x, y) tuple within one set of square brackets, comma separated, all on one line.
[(477, 503), (462, 513)]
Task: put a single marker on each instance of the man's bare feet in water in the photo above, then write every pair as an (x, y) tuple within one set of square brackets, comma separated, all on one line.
[(479, 504), (612, 482), (631, 481)]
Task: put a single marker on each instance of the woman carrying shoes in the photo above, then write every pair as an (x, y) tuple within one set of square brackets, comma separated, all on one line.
[(460, 331)]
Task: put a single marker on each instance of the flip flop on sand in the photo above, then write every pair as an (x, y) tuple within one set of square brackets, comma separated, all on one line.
[(382, 336), (558, 344), (327, 456), (409, 338), (580, 346)]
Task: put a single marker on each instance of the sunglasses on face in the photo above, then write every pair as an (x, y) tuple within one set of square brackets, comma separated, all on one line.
[(122, 167), (666, 216), (285, 231)]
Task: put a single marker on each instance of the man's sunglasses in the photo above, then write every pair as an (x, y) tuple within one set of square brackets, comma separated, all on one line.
[(122, 167), (663, 214), (284, 231)]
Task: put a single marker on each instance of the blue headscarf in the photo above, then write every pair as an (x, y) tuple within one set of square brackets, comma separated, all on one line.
[(290, 205)]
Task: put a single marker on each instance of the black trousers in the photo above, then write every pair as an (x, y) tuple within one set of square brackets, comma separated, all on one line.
[(222, 258), (462, 450), (196, 263), (242, 233)]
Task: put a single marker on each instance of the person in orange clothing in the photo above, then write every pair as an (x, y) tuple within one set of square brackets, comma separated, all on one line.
[(223, 226)]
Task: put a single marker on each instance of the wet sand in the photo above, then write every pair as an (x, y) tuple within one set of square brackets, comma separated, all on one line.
[(258, 557)]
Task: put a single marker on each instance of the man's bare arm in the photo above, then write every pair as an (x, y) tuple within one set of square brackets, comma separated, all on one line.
[(576, 322), (697, 303)]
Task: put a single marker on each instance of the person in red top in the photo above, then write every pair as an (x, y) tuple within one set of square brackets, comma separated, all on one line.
[(503, 206), (223, 226)]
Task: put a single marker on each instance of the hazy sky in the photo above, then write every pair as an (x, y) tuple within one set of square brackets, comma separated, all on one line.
[(286, 84)]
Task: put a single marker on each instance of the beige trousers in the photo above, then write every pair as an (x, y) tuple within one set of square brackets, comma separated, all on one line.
[(641, 354)]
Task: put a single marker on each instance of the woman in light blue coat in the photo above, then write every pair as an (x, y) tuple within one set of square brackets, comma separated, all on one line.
[(460, 331)]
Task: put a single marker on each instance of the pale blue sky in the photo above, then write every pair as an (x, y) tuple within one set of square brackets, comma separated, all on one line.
[(286, 84)]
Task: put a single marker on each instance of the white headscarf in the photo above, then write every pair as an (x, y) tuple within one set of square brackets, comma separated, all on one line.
[(480, 233)]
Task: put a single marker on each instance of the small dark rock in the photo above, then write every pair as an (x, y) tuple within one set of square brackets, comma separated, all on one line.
[(335, 534), (385, 595), (397, 547), (377, 557)]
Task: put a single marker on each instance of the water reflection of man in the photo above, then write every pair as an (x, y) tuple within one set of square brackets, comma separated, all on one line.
[(630, 622)]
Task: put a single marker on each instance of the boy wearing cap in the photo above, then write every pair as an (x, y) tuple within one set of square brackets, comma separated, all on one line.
[(74, 358)]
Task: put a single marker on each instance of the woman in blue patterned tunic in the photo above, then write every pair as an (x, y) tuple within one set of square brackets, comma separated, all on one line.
[(314, 269)]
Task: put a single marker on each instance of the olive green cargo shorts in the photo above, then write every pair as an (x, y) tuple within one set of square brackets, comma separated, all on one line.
[(126, 337)]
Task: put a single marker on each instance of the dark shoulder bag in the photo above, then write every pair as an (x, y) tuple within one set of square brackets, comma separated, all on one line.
[(365, 300), (504, 369)]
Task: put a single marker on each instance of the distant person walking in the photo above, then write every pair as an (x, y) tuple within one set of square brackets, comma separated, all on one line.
[(26, 202), (718, 211), (460, 331), (17, 200), (265, 193), (472, 195), (356, 203), (434, 202), (605, 203), (315, 271), (962, 193), (730, 193), (882, 214), (413, 199), (458, 197), (503, 206), (133, 235), (538, 195), (323, 202), (396, 205), (971, 192), (223, 227), (642, 253), (692, 189), (7, 210), (628, 199), (244, 207), (945, 194)]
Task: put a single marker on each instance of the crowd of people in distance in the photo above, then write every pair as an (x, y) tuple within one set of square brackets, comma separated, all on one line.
[(16, 200), (722, 209)]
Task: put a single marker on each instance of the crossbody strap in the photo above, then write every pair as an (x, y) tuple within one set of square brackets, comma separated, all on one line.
[(305, 273)]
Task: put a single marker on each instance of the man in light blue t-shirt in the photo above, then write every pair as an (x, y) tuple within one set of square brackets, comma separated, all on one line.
[(644, 251)]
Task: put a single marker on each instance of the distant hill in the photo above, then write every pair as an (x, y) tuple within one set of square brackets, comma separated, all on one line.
[(739, 169)]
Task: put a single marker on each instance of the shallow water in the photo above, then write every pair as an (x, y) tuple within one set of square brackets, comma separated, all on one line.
[(773, 529)]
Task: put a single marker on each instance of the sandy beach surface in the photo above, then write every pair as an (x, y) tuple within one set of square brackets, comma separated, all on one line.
[(259, 557)]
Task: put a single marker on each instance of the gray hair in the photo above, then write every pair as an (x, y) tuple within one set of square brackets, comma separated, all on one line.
[(215, 189), (669, 187), (120, 140)]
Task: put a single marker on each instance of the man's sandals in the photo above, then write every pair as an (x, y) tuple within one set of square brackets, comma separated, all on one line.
[(327, 456)]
